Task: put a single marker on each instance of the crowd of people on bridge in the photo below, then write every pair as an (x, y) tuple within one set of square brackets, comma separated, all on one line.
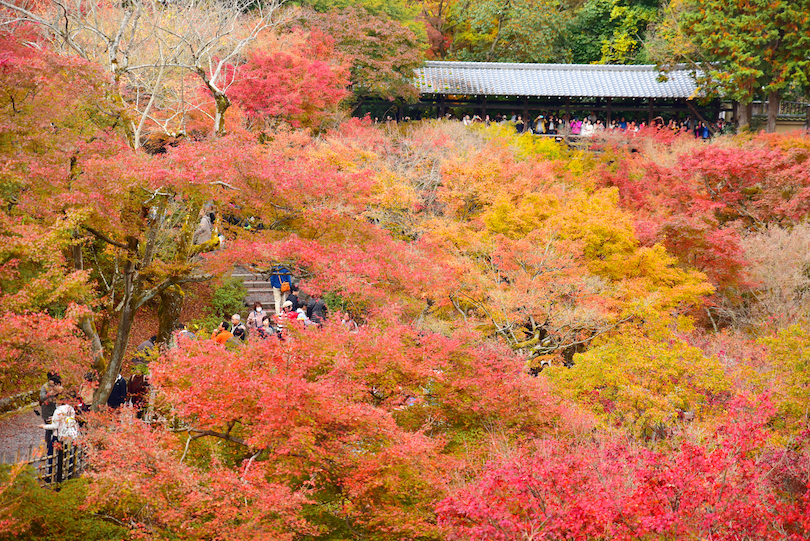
[(590, 125)]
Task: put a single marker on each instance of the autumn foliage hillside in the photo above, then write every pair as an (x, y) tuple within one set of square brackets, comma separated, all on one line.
[(553, 344)]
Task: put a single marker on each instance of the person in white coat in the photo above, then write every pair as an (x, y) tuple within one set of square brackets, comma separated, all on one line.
[(65, 431)]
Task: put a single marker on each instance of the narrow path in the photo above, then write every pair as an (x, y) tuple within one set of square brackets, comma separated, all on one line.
[(19, 430)]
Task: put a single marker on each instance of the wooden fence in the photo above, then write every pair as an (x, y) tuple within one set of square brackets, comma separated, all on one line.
[(64, 464)]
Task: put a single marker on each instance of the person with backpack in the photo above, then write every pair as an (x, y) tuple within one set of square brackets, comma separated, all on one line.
[(316, 310), (293, 297), (281, 282)]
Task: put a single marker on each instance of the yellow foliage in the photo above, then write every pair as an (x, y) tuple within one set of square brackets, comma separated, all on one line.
[(790, 354), (641, 381), (516, 219), (595, 219), (392, 194)]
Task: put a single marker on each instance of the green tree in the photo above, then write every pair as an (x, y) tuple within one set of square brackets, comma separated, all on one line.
[(739, 50), (610, 31), (32, 513), (383, 52), (629, 20), (790, 354), (509, 31)]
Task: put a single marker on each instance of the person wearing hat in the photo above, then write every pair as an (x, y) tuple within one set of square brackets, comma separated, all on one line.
[(288, 312), (293, 297)]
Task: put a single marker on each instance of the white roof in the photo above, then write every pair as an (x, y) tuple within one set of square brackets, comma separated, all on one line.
[(552, 80)]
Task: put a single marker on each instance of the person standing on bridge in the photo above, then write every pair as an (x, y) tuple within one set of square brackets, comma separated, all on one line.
[(65, 430), (49, 396)]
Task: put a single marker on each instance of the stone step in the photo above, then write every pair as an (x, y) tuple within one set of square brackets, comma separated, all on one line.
[(267, 302), (257, 285)]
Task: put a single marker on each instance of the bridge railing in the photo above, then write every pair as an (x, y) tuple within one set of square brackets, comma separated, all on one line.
[(63, 464), (795, 109)]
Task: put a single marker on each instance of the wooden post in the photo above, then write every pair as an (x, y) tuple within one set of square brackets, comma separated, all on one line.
[(609, 107), (525, 110), (484, 109), (650, 111), (441, 106), (568, 110)]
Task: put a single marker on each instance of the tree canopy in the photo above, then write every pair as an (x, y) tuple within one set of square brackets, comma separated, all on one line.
[(547, 341)]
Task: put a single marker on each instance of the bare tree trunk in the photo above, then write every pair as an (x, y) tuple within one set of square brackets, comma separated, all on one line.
[(743, 115), (78, 256), (89, 329), (171, 304), (774, 99), (125, 322), (219, 120), (123, 112), (86, 323)]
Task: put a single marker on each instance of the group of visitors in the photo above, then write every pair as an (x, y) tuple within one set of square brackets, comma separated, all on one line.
[(62, 415), (590, 124), (291, 310), (62, 412)]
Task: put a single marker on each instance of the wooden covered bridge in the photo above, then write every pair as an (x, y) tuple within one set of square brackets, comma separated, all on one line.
[(566, 90)]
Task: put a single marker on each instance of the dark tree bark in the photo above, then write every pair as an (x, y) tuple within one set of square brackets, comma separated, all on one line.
[(171, 304)]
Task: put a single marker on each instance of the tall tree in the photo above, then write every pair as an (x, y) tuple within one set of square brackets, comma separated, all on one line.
[(508, 31), (740, 50), (383, 52)]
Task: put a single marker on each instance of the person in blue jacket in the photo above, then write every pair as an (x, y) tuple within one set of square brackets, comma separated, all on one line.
[(281, 282)]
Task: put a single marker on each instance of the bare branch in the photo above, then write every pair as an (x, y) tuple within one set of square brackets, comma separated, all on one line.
[(105, 238)]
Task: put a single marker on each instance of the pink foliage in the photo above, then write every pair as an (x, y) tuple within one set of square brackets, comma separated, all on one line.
[(27, 339), (301, 85), (720, 488)]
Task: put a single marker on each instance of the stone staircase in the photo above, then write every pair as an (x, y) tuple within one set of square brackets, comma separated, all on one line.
[(257, 285)]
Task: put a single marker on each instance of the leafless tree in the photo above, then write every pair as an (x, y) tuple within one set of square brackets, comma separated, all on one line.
[(150, 46)]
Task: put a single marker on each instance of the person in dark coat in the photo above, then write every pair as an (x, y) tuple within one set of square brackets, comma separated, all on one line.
[(138, 390), (293, 297), (316, 310), (119, 393), (49, 396)]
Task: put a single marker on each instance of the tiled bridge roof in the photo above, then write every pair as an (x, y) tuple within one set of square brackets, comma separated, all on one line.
[(552, 80)]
